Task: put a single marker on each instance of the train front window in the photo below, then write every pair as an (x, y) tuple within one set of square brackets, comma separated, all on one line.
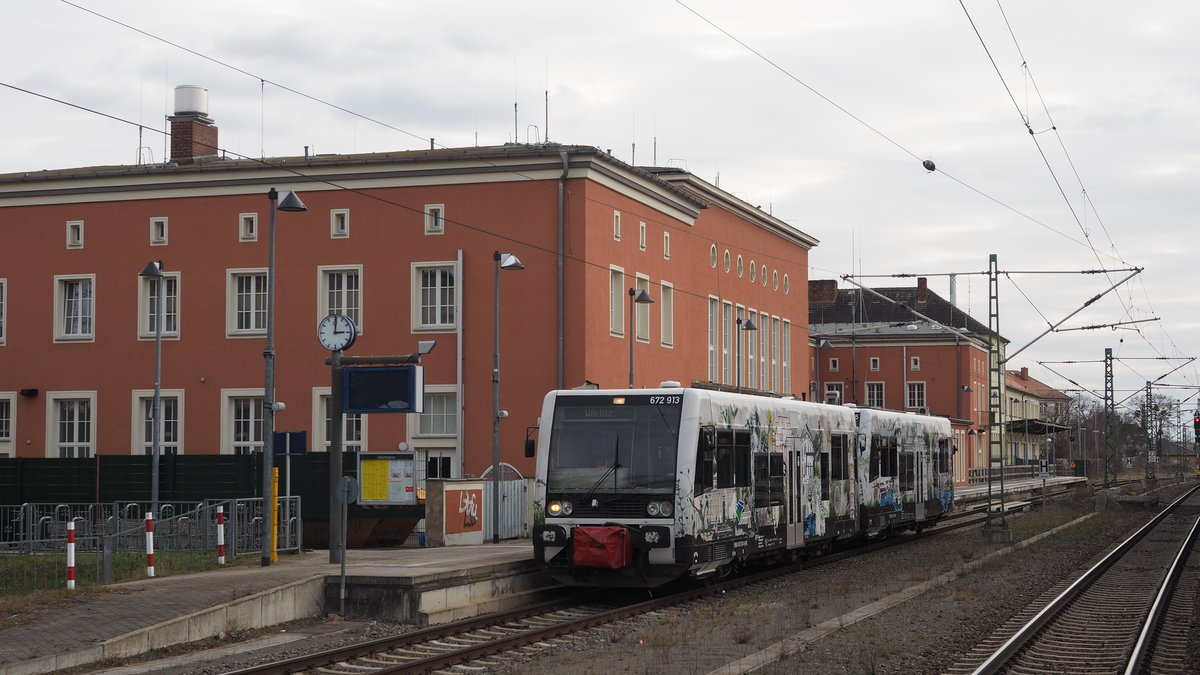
[(614, 443)]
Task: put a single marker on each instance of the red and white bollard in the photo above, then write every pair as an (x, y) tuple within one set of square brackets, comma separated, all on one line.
[(71, 555), (150, 544), (220, 535)]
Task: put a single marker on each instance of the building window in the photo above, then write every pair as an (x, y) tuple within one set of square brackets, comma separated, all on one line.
[(643, 311), (785, 360), (834, 393), (158, 231), (915, 362), (642, 236), (341, 293), (71, 421), (775, 280), (247, 227), (787, 285), (764, 347), (617, 225), (437, 296), (354, 425), (339, 223), (764, 276), (242, 421), (440, 415), (726, 341), (833, 365), (666, 314), (874, 363), (776, 356), (6, 422), (616, 301), (3, 310), (74, 308), (713, 312), (916, 395), (753, 272), (751, 352), (74, 234), (741, 268), (247, 302), (148, 305), (435, 218), (712, 256), (727, 260), (875, 394), (666, 245), (170, 410)]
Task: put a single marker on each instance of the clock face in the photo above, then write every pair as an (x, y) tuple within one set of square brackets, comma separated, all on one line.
[(336, 332)]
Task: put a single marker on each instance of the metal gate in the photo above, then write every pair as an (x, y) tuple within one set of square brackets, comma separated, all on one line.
[(512, 508)]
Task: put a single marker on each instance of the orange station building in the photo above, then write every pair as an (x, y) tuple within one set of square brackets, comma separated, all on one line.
[(403, 242)]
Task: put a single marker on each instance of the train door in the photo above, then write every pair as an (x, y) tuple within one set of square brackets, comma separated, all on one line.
[(795, 478), (920, 459)]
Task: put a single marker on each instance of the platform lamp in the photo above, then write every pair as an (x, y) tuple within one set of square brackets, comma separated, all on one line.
[(636, 297), (503, 261), (289, 202), (746, 325), (153, 270)]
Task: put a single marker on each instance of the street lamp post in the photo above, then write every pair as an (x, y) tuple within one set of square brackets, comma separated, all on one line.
[(747, 325), (503, 261), (153, 270), (636, 297), (290, 202)]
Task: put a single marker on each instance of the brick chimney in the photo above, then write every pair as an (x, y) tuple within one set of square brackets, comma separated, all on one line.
[(193, 135), (822, 291), (922, 290)]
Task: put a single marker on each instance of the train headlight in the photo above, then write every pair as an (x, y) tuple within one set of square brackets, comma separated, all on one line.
[(656, 509), (568, 508), (554, 508)]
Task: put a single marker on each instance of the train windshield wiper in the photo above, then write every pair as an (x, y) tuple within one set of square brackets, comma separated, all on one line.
[(611, 470)]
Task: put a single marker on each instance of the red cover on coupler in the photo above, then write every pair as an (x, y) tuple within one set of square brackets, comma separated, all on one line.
[(610, 547)]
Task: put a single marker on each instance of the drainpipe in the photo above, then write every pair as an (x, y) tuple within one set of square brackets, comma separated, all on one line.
[(563, 155), (462, 393)]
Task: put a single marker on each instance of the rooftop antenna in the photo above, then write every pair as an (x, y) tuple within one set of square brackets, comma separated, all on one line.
[(654, 152), (546, 115), (516, 139)]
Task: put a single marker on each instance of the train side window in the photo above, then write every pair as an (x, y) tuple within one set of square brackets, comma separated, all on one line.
[(824, 475), (741, 454), (877, 450), (907, 468), (776, 469), (838, 461), (704, 462), (724, 457), (762, 480), (945, 451)]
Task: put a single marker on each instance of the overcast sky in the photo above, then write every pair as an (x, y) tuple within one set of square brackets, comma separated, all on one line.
[(819, 112)]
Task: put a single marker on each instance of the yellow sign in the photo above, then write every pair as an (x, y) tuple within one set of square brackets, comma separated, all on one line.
[(374, 479)]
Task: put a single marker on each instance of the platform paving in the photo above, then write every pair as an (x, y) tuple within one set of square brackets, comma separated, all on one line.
[(118, 619)]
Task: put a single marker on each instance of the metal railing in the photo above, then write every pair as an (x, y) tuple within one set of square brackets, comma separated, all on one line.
[(978, 475)]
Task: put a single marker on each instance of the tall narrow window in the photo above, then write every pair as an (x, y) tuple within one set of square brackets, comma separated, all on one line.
[(726, 341), (751, 378), (785, 353), (74, 433), (739, 352), (247, 227), (764, 351), (776, 385), (616, 301), (916, 395), (158, 231), (643, 311), (436, 296), (666, 317), (341, 293), (339, 223), (3, 310), (148, 302), (642, 236), (874, 363), (617, 225), (875, 394), (6, 421), (74, 234), (74, 308), (666, 245), (352, 428), (714, 310), (169, 412), (247, 302), (435, 218), (246, 424), (915, 363)]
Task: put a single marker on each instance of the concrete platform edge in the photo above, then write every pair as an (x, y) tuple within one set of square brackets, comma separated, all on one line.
[(295, 600)]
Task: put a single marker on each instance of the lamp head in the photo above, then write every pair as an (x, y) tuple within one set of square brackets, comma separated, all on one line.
[(508, 261), (291, 202), (640, 296), (152, 269)]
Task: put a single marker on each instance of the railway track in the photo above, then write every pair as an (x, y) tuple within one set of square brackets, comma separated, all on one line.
[(1121, 616)]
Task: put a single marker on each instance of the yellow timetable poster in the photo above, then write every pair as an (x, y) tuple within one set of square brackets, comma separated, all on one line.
[(374, 479), (387, 478)]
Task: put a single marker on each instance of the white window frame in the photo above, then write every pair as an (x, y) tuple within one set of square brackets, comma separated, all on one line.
[(764, 351), (751, 378), (146, 309), (424, 456), (158, 231), (87, 315), (339, 223), (325, 308), (666, 314), (727, 261), (616, 301), (666, 245), (417, 300), (231, 301), (834, 387), (642, 235), (712, 256), (834, 364), (53, 398), (727, 329), (785, 356), (912, 387), (8, 424), (74, 234), (228, 397), (3, 311), (776, 355), (874, 363), (353, 424), (753, 272), (616, 226), (143, 443), (739, 342), (247, 227), (741, 266), (433, 438), (435, 219), (914, 363), (714, 314), (641, 316), (882, 394)]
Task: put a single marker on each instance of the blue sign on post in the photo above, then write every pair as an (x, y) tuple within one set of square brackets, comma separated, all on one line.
[(377, 389), (290, 443)]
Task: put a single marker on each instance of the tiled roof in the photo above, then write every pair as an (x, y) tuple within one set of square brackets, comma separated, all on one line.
[(856, 306)]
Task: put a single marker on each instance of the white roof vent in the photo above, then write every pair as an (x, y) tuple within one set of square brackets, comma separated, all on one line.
[(191, 99), (670, 384)]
